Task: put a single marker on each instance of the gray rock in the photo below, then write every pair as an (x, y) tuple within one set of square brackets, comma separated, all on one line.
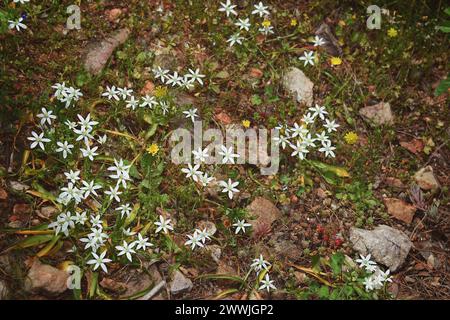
[(165, 60), (216, 252), (298, 84), (17, 186), (263, 213), (287, 249), (426, 180), (183, 99), (331, 45), (180, 283), (47, 212), (387, 245), (208, 225), (45, 277), (98, 55), (378, 114)]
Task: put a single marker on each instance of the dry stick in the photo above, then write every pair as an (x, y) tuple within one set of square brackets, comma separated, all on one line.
[(436, 152), (154, 291)]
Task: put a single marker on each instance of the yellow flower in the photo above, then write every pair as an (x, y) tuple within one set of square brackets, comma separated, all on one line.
[(392, 33), (266, 23), (335, 61), (294, 22), (351, 137), (160, 92), (153, 149), (246, 123)]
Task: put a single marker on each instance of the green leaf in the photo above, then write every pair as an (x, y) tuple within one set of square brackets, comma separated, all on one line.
[(222, 75), (323, 292), (256, 100), (221, 277), (132, 215), (443, 86), (33, 241), (338, 171), (93, 286), (336, 263)]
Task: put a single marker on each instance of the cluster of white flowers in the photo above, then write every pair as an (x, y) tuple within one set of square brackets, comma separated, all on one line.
[(126, 94), (300, 137), (258, 265), (244, 24), (198, 238), (309, 56), (186, 82), (202, 178), (66, 94), (77, 189), (64, 222), (378, 278)]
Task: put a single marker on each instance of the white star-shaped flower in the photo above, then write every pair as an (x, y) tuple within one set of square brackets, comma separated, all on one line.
[(228, 155), (281, 140), (308, 58), (235, 38), (89, 152), (194, 241), (191, 113), (132, 103), (200, 155), (241, 225), (126, 249), (86, 122), (163, 225), (160, 73), (90, 187), (330, 125), (46, 116), (175, 79), (142, 243), (99, 261), (228, 8), (125, 92), (259, 264), (308, 118), (125, 210), (297, 130), (322, 137), (299, 150), (260, 9), (267, 284), (72, 176), (205, 180), (64, 147), (195, 76), (229, 187), (243, 24), (149, 101), (114, 193), (319, 111), (16, 24), (327, 149), (111, 93), (38, 139), (318, 41), (192, 171)]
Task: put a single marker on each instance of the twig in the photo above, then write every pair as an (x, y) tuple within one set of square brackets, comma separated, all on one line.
[(154, 291)]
